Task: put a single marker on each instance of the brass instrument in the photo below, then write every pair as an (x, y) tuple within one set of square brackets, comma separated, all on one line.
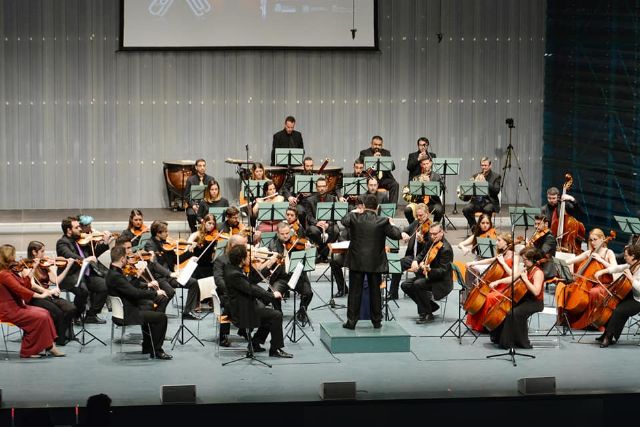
[(406, 193), (479, 177)]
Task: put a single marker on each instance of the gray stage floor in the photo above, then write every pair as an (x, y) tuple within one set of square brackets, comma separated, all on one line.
[(435, 368)]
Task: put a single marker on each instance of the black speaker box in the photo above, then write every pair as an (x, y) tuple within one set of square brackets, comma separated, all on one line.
[(344, 390), (176, 394), (538, 385)]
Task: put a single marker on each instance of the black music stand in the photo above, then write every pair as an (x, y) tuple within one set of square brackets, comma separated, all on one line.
[(254, 188), (307, 260), (83, 331), (379, 164), (387, 210), (486, 247), (565, 275), (331, 212), (354, 186), (178, 337), (267, 237), (393, 267), (305, 183), (221, 247), (456, 327), (444, 167), (525, 216)]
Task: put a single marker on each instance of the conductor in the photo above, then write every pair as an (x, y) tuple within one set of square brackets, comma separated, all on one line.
[(367, 257)]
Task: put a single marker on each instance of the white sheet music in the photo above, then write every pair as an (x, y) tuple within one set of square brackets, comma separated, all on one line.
[(340, 245), (85, 265), (295, 276)]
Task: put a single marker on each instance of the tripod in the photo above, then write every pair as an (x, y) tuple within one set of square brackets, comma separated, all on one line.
[(82, 332), (250, 354), (293, 324), (179, 335), (507, 164), (458, 324)]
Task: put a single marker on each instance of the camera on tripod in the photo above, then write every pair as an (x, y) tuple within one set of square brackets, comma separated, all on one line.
[(509, 123)]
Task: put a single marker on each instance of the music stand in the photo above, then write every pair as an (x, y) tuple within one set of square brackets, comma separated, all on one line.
[(354, 186), (393, 267), (254, 188), (628, 225), (331, 212), (267, 237), (142, 241), (272, 211), (197, 192), (289, 156), (221, 246), (523, 216), (565, 275), (387, 210), (486, 247), (83, 331), (445, 166), (219, 213), (307, 259), (305, 183), (379, 164)]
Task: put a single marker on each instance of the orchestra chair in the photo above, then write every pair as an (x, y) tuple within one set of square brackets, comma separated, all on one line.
[(206, 285), (117, 319), (6, 334), (219, 319), (631, 322)]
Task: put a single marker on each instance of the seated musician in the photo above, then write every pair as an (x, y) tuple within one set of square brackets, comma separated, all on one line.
[(45, 277), (167, 255), (597, 257), (485, 229), (385, 178), (513, 331), (433, 279), (134, 300), (286, 138), (257, 174), (270, 196), (136, 227), (358, 172), (245, 301), (92, 284), (382, 196), (414, 159), (485, 204), (288, 189), (212, 199), (283, 244), (497, 271), (320, 232), (198, 178), (433, 202), (630, 305), (294, 222), (205, 240), (416, 234), (550, 209)]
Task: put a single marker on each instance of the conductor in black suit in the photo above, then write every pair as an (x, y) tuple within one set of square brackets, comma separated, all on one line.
[(286, 138), (385, 179), (413, 162), (367, 257), (485, 204)]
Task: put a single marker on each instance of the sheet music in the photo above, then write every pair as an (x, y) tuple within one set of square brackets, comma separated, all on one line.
[(295, 276), (85, 265), (340, 245)]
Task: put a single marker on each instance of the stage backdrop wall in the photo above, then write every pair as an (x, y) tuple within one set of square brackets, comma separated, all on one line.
[(85, 126)]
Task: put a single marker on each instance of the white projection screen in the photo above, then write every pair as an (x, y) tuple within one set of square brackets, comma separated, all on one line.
[(230, 24)]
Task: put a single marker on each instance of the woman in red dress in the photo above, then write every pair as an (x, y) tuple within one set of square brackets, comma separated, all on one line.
[(15, 291)]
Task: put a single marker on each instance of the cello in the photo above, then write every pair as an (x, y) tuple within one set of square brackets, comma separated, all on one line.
[(569, 232), (616, 292), (478, 295), (499, 312)]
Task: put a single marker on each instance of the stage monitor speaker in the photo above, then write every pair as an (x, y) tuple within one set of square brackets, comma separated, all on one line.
[(178, 394), (343, 390), (539, 385)]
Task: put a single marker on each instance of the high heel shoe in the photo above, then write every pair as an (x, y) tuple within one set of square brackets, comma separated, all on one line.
[(606, 341)]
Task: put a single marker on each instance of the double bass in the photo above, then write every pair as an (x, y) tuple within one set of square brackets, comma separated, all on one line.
[(569, 232)]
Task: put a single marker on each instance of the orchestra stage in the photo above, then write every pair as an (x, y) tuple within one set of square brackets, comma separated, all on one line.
[(436, 368)]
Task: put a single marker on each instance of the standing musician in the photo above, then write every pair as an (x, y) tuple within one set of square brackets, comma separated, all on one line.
[(198, 178), (414, 159), (212, 199), (485, 204), (385, 179), (433, 202), (485, 229), (44, 277), (153, 323), (168, 258), (479, 271), (630, 305), (367, 258), (245, 301), (597, 257), (136, 227), (571, 233), (283, 244), (270, 196), (92, 285), (433, 279), (416, 234), (514, 329), (286, 138), (205, 240), (320, 232)]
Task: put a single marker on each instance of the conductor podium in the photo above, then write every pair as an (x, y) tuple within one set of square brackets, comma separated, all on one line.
[(391, 338)]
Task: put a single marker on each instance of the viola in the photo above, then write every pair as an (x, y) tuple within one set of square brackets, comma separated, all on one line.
[(130, 270), (569, 232)]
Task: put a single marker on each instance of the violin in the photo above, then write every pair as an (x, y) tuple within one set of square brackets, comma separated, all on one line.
[(179, 246), (139, 231), (140, 256), (60, 262), (431, 255), (295, 243), (130, 270), (19, 265), (533, 239)]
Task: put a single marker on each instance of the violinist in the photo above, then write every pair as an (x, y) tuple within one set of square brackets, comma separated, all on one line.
[(482, 270), (630, 305), (514, 330), (136, 228), (283, 244), (231, 225), (367, 258), (270, 196), (212, 199), (485, 204), (414, 159), (294, 222), (385, 178), (433, 202), (416, 234), (433, 279), (198, 178), (485, 229), (205, 240), (94, 243), (92, 285), (15, 290), (168, 259), (597, 257), (320, 232), (44, 277)]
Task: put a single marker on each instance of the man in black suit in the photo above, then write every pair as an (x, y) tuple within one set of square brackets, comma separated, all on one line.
[(367, 257), (198, 178), (246, 303), (385, 179), (433, 280), (413, 162), (286, 138), (550, 209), (92, 285), (485, 204), (136, 303), (320, 232)]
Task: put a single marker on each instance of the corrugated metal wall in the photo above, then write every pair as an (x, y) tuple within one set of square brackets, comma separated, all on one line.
[(85, 126)]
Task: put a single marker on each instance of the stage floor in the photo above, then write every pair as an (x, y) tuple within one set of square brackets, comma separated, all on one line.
[(435, 368)]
